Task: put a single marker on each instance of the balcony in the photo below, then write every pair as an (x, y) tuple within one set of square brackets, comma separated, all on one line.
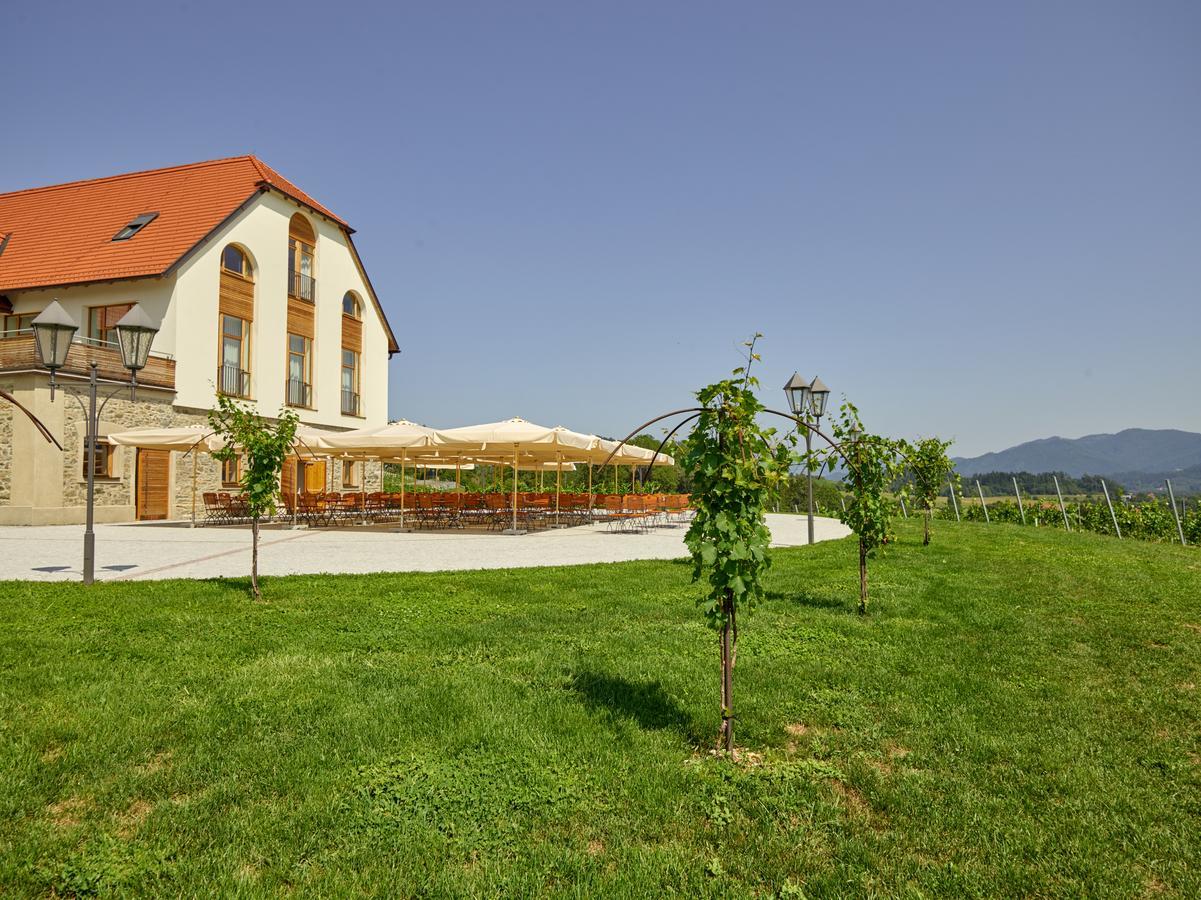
[(350, 403), (19, 354), (299, 393), (233, 382), (302, 286)]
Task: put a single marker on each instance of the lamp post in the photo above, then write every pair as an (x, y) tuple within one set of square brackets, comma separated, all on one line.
[(53, 331), (808, 404)]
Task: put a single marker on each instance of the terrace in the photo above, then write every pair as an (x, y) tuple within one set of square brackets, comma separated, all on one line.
[(18, 354)]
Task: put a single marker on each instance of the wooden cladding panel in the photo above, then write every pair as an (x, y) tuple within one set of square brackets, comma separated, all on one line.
[(300, 229), (237, 296), (18, 354), (352, 334), (300, 318)]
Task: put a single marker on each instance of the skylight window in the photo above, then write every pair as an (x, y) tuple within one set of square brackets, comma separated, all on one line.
[(135, 226)]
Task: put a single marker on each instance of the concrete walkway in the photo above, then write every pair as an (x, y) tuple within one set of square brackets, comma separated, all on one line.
[(145, 551)]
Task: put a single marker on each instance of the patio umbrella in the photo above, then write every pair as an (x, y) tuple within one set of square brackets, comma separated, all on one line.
[(522, 442), (385, 441), (182, 439)]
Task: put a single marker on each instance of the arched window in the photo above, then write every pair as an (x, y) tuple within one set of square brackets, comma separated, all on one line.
[(302, 249), (351, 306), (233, 259)]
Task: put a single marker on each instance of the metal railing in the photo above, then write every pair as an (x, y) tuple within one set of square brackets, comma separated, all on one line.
[(233, 381), (299, 393), (302, 286), (350, 403)]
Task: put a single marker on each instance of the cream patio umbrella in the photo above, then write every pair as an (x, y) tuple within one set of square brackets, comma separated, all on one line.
[(515, 438), (185, 439), (390, 441)]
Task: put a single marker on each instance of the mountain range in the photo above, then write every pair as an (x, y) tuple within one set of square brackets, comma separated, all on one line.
[(1138, 458)]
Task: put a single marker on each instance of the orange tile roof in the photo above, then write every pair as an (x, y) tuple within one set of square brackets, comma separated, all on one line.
[(63, 234)]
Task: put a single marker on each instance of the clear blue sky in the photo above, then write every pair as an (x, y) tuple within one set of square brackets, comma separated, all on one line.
[(976, 220)]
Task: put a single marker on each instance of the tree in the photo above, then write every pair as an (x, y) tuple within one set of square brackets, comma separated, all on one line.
[(931, 468), (873, 463), (264, 446), (735, 466)]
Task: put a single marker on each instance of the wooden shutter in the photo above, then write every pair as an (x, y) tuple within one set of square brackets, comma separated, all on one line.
[(111, 315), (300, 318), (153, 477), (237, 296), (287, 480)]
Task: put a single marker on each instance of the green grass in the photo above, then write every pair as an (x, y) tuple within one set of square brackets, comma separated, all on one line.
[(1018, 716)]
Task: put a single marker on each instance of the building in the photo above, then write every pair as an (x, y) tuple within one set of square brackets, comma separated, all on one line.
[(261, 295)]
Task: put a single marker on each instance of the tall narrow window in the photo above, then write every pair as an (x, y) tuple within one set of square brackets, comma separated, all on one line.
[(350, 474), (231, 472), (234, 372), (350, 383), (300, 370), (302, 249), (102, 322), (11, 326)]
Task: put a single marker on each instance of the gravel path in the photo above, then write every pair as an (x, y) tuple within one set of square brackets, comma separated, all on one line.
[(149, 551)]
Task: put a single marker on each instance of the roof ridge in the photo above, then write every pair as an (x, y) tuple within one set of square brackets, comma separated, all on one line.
[(123, 175)]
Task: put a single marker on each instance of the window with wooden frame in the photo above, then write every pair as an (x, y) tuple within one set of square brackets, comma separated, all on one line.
[(104, 461), (350, 382), (350, 474), (235, 261), (351, 306), (102, 321), (302, 252), (300, 371), (231, 472), (234, 369), (11, 325)]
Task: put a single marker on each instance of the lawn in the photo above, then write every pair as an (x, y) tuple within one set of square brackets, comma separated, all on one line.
[(1017, 716)]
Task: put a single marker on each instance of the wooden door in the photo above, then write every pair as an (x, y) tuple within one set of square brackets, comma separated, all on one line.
[(314, 477), (153, 483)]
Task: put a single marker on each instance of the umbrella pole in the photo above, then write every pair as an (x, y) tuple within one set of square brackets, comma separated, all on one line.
[(402, 488), (458, 475), (363, 492), (193, 487), (558, 483), (589, 492), (515, 489), (296, 473)]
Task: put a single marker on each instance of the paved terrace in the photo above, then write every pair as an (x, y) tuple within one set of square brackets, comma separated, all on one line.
[(152, 551)]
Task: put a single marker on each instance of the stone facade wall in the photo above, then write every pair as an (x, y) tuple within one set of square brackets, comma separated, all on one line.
[(115, 498), (121, 414), (6, 446)]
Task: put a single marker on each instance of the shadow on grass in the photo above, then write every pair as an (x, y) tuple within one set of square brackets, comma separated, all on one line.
[(645, 701)]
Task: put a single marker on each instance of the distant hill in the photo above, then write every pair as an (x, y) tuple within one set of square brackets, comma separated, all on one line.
[(1134, 452)]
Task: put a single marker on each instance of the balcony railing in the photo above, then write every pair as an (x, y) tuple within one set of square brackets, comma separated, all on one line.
[(233, 381), (299, 393), (302, 286), (350, 403), (18, 353)]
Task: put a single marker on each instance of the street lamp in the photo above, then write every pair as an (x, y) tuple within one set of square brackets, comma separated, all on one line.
[(53, 332), (807, 400)]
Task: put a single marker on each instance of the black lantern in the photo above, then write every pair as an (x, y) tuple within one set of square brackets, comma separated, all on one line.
[(135, 332), (819, 395), (53, 331), (797, 392)]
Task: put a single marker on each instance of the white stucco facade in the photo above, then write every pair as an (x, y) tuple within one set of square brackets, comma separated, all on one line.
[(186, 302)]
